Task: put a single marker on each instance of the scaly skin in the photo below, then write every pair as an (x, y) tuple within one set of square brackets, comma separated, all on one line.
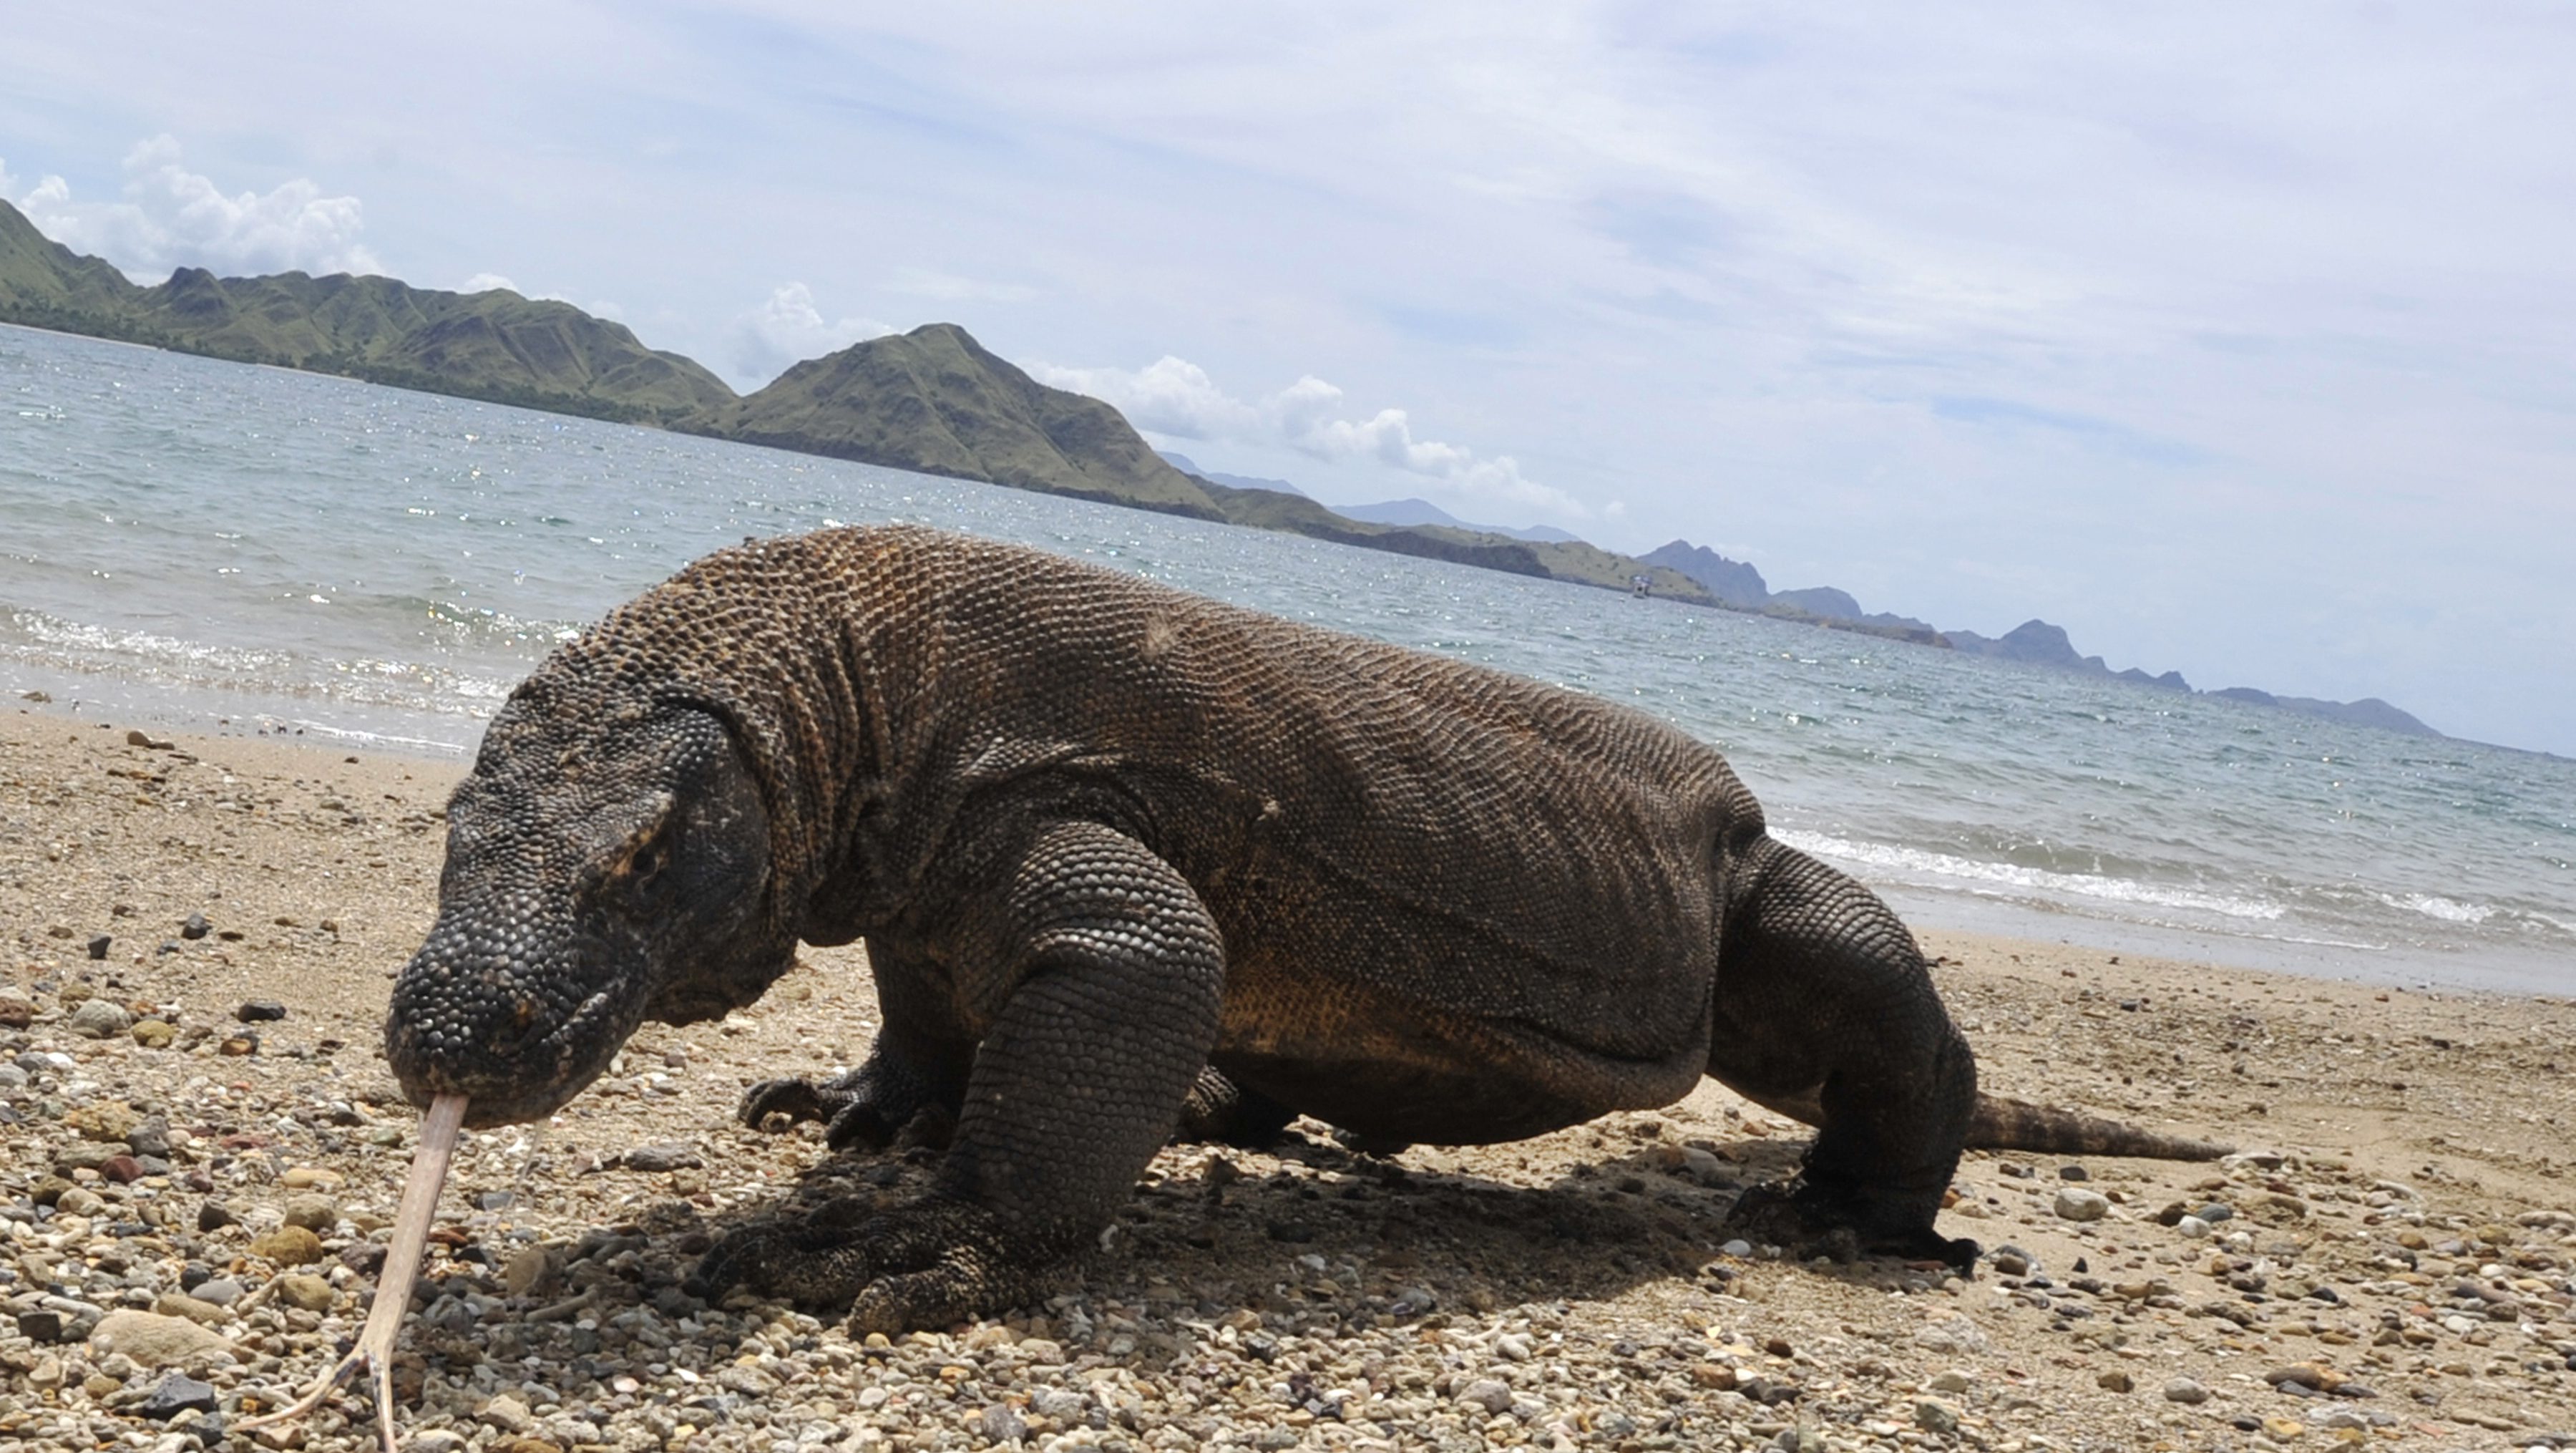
[(1129, 861)]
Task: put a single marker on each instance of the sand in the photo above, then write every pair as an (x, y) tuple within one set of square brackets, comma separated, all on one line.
[(2402, 1224)]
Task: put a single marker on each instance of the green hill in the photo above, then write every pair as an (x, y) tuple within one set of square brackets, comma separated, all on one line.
[(491, 345), (934, 400)]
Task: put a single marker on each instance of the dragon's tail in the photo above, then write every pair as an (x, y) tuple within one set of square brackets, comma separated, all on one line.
[(2001, 1124)]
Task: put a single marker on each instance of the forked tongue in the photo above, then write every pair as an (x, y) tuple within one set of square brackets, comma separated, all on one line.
[(375, 1349)]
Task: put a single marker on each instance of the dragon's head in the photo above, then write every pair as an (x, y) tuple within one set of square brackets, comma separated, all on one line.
[(606, 863)]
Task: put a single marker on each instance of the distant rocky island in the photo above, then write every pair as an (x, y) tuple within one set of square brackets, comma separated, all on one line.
[(932, 400), (2032, 643)]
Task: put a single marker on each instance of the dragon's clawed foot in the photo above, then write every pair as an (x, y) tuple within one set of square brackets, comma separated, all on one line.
[(851, 1118), (924, 1264), (1810, 1221)]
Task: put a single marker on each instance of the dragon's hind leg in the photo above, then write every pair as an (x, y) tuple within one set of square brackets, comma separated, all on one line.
[(1826, 1010)]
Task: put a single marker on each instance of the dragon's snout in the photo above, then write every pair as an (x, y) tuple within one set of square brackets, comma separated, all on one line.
[(515, 1013)]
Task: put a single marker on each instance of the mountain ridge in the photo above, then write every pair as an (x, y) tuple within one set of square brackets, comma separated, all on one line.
[(932, 400)]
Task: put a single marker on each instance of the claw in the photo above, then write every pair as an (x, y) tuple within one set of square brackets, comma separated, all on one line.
[(795, 1099)]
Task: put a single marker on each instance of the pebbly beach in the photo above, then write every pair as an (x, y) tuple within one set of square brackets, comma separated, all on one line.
[(204, 1149)]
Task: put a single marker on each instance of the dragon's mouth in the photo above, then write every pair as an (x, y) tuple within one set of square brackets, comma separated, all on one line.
[(510, 1057)]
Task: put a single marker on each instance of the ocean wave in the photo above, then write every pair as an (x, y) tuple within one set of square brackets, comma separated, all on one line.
[(36, 639), (1899, 859), (2434, 905)]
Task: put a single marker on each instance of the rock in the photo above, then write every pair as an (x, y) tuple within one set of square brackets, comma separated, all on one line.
[(156, 1341), (2314, 1375), (125, 1170), (154, 1033), (256, 1011), (175, 1394), (667, 1155), (180, 1304), (1953, 1334), (223, 1291), (1057, 1404), (2009, 1262), (150, 1136), (304, 1290), (999, 1424), (1487, 1393), (142, 739), (507, 1414), (435, 1440), (99, 1018), (41, 1325), (1738, 1248), (212, 1216), (2184, 1390), (16, 1011), (2073, 1173), (2116, 1381), (1042, 1352), (1936, 1417), (195, 927), (99, 946), (528, 1268), (2192, 1228), (1953, 1381), (2077, 1204), (288, 1246), (311, 1177), (314, 1213), (107, 1121), (80, 1201)]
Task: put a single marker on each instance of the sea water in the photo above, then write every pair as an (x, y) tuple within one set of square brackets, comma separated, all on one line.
[(233, 548)]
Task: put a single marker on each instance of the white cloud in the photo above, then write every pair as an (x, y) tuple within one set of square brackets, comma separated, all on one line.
[(788, 329), (484, 282), (1175, 397), (172, 217)]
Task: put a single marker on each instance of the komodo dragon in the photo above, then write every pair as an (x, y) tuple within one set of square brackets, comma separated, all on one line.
[(1113, 847)]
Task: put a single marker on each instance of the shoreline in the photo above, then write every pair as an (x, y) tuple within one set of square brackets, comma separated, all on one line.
[(2402, 1225), (1927, 911)]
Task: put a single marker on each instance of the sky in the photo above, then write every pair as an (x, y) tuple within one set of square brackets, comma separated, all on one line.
[(2234, 339)]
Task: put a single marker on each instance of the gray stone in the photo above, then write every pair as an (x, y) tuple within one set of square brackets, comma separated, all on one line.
[(668, 1155), (2184, 1390), (1062, 1405), (999, 1424), (99, 1019), (1487, 1393), (2077, 1204), (1953, 1333), (150, 1137), (175, 1394)]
